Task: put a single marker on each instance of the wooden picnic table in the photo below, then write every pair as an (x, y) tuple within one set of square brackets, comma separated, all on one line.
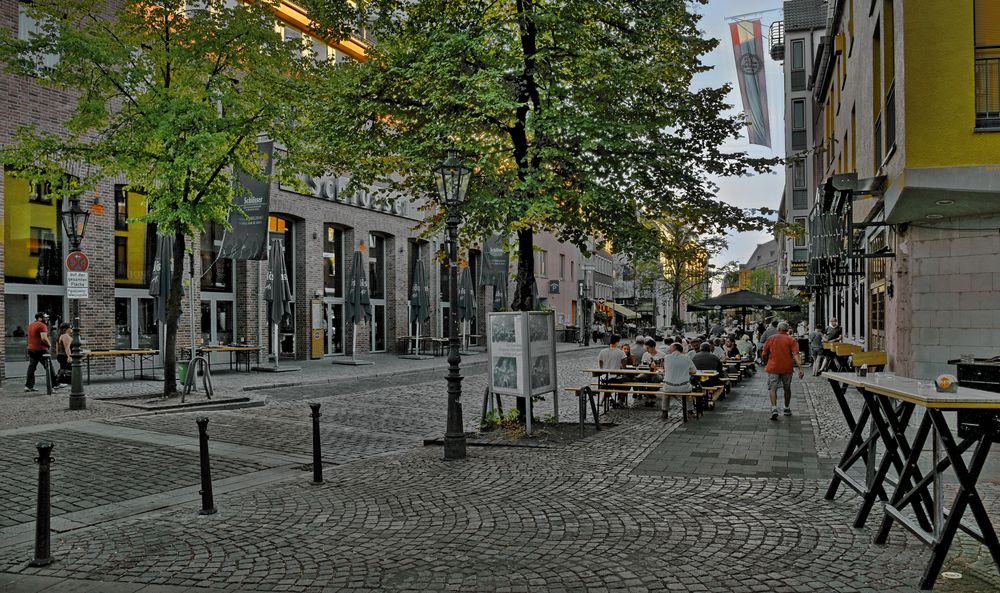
[(136, 355), (236, 351), (889, 404)]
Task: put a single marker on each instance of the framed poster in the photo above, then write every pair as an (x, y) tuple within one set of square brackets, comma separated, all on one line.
[(505, 340), (521, 350)]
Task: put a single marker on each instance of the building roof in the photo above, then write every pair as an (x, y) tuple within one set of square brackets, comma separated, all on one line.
[(765, 255), (805, 15)]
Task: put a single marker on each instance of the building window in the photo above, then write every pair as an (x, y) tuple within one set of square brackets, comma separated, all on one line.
[(877, 294), (799, 175), (333, 261), (800, 199), (800, 239), (121, 258), (320, 51), (562, 266), (32, 233), (121, 209), (987, 19), (798, 79), (41, 193), (541, 257), (798, 124), (28, 28), (217, 274), (376, 266)]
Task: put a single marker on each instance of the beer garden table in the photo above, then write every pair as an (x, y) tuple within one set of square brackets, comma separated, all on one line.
[(137, 355), (889, 403)]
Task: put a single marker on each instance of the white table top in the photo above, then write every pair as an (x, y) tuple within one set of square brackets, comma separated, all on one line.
[(918, 392)]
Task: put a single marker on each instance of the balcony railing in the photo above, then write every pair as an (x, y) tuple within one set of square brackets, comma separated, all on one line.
[(988, 92)]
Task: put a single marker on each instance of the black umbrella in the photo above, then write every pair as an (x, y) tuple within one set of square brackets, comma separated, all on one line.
[(466, 296), (159, 279), (277, 292), (743, 299), (420, 299), (357, 302)]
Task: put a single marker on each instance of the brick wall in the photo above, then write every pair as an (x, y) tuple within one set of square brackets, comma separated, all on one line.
[(954, 296)]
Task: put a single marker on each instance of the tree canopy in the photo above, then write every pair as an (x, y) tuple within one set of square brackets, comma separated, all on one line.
[(170, 96), (580, 117)]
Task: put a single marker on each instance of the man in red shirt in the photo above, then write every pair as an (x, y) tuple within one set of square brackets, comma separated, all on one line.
[(781, 354), (38, 347)]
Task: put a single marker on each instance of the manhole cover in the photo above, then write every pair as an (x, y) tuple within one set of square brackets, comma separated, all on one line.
[(951, 575)]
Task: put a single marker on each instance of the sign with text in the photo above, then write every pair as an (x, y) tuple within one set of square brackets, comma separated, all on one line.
[(247, 239), (77, 285)]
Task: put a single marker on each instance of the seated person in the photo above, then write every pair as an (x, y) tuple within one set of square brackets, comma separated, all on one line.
[(718, 350), (629, 359), (705, 360), (612, 357), (732, 352), (744, 345), (694, 347), (677, 369)]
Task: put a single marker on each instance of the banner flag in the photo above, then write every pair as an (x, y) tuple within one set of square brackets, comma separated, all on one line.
[(748, 48), (496, 261), (247, 239)]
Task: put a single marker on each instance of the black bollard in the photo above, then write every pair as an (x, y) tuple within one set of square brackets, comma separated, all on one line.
[(207, 502), (317, 456), (43, 510)]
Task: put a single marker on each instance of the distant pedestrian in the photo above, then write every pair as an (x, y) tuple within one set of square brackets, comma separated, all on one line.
[(816, 343), (64, 345), (770, 331), (38, 347), (781, 355)]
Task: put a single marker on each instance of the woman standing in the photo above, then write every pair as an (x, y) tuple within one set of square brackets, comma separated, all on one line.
[(63, 347)]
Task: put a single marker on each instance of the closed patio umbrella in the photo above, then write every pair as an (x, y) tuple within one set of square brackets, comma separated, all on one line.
[(357, 301), (466, 301), (159, 280), (500, 294), (277, 292), (420, 299)]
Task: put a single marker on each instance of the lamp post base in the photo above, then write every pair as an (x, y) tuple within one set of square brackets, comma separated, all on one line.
[(454, 446), (77, 402)]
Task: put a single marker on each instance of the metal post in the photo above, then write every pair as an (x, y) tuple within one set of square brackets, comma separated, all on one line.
[(207, 502), (317, 455), (43, 510), (454, 437), (77, 398)]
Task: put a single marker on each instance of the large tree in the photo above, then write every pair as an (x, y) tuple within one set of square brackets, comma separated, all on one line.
[(171, 96), (580, 117)]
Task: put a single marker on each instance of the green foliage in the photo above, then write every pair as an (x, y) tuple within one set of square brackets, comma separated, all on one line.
[(761, 280), (549, 420), (170, 96), (579, 117)]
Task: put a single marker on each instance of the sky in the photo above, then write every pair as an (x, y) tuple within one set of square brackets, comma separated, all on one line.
[(758, 190)]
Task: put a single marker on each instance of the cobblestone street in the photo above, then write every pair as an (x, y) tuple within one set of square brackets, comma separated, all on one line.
[(731, 502)]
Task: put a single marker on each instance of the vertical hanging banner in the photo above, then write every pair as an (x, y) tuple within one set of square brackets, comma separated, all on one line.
[(247, 239), (748, 47)]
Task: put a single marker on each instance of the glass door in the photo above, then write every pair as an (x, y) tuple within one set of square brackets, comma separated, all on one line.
[(19, 311), (333, 323), (376, 286)]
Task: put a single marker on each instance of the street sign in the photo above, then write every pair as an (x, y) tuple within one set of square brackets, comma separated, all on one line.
[(601, 301), (77, 285), (77, 261)]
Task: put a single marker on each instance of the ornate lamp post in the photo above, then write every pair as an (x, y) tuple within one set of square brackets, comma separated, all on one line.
[(452, 178), (74, 221), (588, 293)]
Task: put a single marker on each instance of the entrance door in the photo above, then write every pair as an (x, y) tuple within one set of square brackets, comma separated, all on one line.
[(19, 311), (334, 325)]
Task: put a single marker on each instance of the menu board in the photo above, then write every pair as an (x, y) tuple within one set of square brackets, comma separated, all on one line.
[(522, 353)]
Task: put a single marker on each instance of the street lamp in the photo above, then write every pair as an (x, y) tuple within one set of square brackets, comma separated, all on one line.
[(452, 177), (588, 293), (74, 221)]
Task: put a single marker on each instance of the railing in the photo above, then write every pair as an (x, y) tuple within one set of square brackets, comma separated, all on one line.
[(988, 92)]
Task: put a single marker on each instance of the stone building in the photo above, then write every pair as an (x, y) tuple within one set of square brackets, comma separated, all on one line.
[(904, 243)]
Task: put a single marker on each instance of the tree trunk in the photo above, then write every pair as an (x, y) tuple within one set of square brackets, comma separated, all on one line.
[(174, 301), (524, 295)]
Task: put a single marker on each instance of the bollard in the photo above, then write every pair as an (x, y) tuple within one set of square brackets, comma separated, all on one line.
[(581, 397), (207, 503), (43, 510), (317, 456)]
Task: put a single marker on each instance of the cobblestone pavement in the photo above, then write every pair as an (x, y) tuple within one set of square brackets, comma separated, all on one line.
[(394, 516)]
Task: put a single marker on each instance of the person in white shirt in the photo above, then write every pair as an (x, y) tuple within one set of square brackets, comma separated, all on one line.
[(677, 370)]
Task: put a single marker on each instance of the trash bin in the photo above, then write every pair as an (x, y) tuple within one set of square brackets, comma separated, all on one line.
[(182, 370)]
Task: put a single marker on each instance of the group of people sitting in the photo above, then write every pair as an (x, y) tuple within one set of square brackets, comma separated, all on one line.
[(673, 363)]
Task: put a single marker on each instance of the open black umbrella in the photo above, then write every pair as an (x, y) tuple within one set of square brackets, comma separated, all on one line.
[(357, 301), (420, 298), (277, 292), (743, 301)]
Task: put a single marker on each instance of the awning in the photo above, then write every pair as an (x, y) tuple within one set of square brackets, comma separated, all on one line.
[(624, 311)]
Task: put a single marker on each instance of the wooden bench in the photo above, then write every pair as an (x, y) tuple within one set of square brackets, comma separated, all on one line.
[(643, 389)]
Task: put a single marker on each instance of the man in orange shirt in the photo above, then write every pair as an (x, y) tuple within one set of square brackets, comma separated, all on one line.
[(781, 355)]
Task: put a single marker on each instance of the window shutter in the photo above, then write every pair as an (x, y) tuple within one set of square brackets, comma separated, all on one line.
[(987, 23)]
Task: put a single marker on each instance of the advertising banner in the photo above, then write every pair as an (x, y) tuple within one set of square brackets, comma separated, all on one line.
[(748, 48), (521, 354), (247, 239), (496, 261)]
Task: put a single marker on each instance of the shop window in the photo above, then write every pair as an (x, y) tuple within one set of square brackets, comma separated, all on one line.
[(28, 28), (376, 266), (121, 208), (32, 233), (121, 258), (217, 273), (134, 265), (333, 260)]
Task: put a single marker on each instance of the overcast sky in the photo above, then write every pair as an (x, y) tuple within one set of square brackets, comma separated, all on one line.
[(759, 190)]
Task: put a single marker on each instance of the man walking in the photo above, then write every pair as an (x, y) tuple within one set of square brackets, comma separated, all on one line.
[(781, 355), (38, 347)]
